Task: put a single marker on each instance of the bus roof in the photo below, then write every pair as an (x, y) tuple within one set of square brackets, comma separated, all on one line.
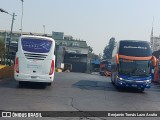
[(137, 48), (34, 36), (133, 41)]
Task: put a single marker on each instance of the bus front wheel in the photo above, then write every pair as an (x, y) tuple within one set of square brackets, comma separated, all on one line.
[(141, 89), (112, 80)]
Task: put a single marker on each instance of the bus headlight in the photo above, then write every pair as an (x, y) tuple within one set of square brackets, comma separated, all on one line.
[(120, 78), (148, 81)]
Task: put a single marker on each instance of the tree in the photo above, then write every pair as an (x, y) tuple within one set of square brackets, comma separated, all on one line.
[(156, 54), (107, 52), (2, 49), (90, 49), (93, 56)]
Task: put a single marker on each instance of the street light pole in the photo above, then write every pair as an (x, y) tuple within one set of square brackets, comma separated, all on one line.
[(9, 42), (44, 29), (1, 10), (22, 18)]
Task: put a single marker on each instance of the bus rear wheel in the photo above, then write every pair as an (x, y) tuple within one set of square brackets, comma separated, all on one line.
[(49, 84), (21, 83)]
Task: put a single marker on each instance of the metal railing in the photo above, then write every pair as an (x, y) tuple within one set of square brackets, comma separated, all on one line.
[(7, 60)]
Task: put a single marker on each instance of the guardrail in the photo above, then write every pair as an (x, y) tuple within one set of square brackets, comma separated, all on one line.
[(6, 71), (7, 61)]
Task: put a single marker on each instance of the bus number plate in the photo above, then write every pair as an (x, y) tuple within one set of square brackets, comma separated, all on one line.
[(33, 76), (134, 85)]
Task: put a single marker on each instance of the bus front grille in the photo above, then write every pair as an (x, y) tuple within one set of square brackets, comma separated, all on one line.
[(35, 56)]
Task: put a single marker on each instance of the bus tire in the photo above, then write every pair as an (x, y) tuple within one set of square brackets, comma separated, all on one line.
[(49, 84), (141, 89), (112, 80), (20, 83), (113, 83)]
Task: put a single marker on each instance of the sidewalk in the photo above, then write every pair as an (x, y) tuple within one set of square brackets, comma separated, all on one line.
[(94, 73)]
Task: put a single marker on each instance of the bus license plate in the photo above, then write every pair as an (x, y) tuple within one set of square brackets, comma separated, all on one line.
[(32, 66), (33, 76), (134, 85)]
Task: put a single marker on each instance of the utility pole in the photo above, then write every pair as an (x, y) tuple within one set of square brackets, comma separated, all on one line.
[(44, 29), (22, 18), (152, 38), (9, 43)]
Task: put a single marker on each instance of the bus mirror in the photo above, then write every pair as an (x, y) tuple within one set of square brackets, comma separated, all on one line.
[(154, 61), (117, 59)]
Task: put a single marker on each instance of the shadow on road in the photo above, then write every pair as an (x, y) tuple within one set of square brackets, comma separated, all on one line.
[(11, 83), (129, 90), (108, 86), (94, 85), (32, 85)]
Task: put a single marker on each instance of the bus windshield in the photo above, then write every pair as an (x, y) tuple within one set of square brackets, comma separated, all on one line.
[(134, 68), (36, 45)]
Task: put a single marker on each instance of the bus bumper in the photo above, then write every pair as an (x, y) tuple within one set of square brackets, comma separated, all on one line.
[(34, 78), (134, 83)]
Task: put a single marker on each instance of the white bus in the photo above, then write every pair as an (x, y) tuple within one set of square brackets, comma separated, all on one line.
[(35, 59)]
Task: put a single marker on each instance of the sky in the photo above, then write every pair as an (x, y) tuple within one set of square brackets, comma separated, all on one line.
[(94, 21)]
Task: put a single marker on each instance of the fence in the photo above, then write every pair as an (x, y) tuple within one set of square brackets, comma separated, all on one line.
[(7, 66), (7, 59)]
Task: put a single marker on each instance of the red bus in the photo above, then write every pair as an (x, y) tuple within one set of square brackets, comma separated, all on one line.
[(105, 68)]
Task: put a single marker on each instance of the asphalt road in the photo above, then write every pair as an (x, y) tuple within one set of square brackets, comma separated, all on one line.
[(77, 92)]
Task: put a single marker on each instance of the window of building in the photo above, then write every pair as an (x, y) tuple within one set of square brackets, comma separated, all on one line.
[(64, 43), (75, 44)]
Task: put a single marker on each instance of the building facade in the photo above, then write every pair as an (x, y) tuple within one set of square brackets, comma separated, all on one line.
[(71, 51)]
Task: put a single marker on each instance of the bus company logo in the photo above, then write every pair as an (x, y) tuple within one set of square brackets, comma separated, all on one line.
[(6, 114), (135, 47)]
